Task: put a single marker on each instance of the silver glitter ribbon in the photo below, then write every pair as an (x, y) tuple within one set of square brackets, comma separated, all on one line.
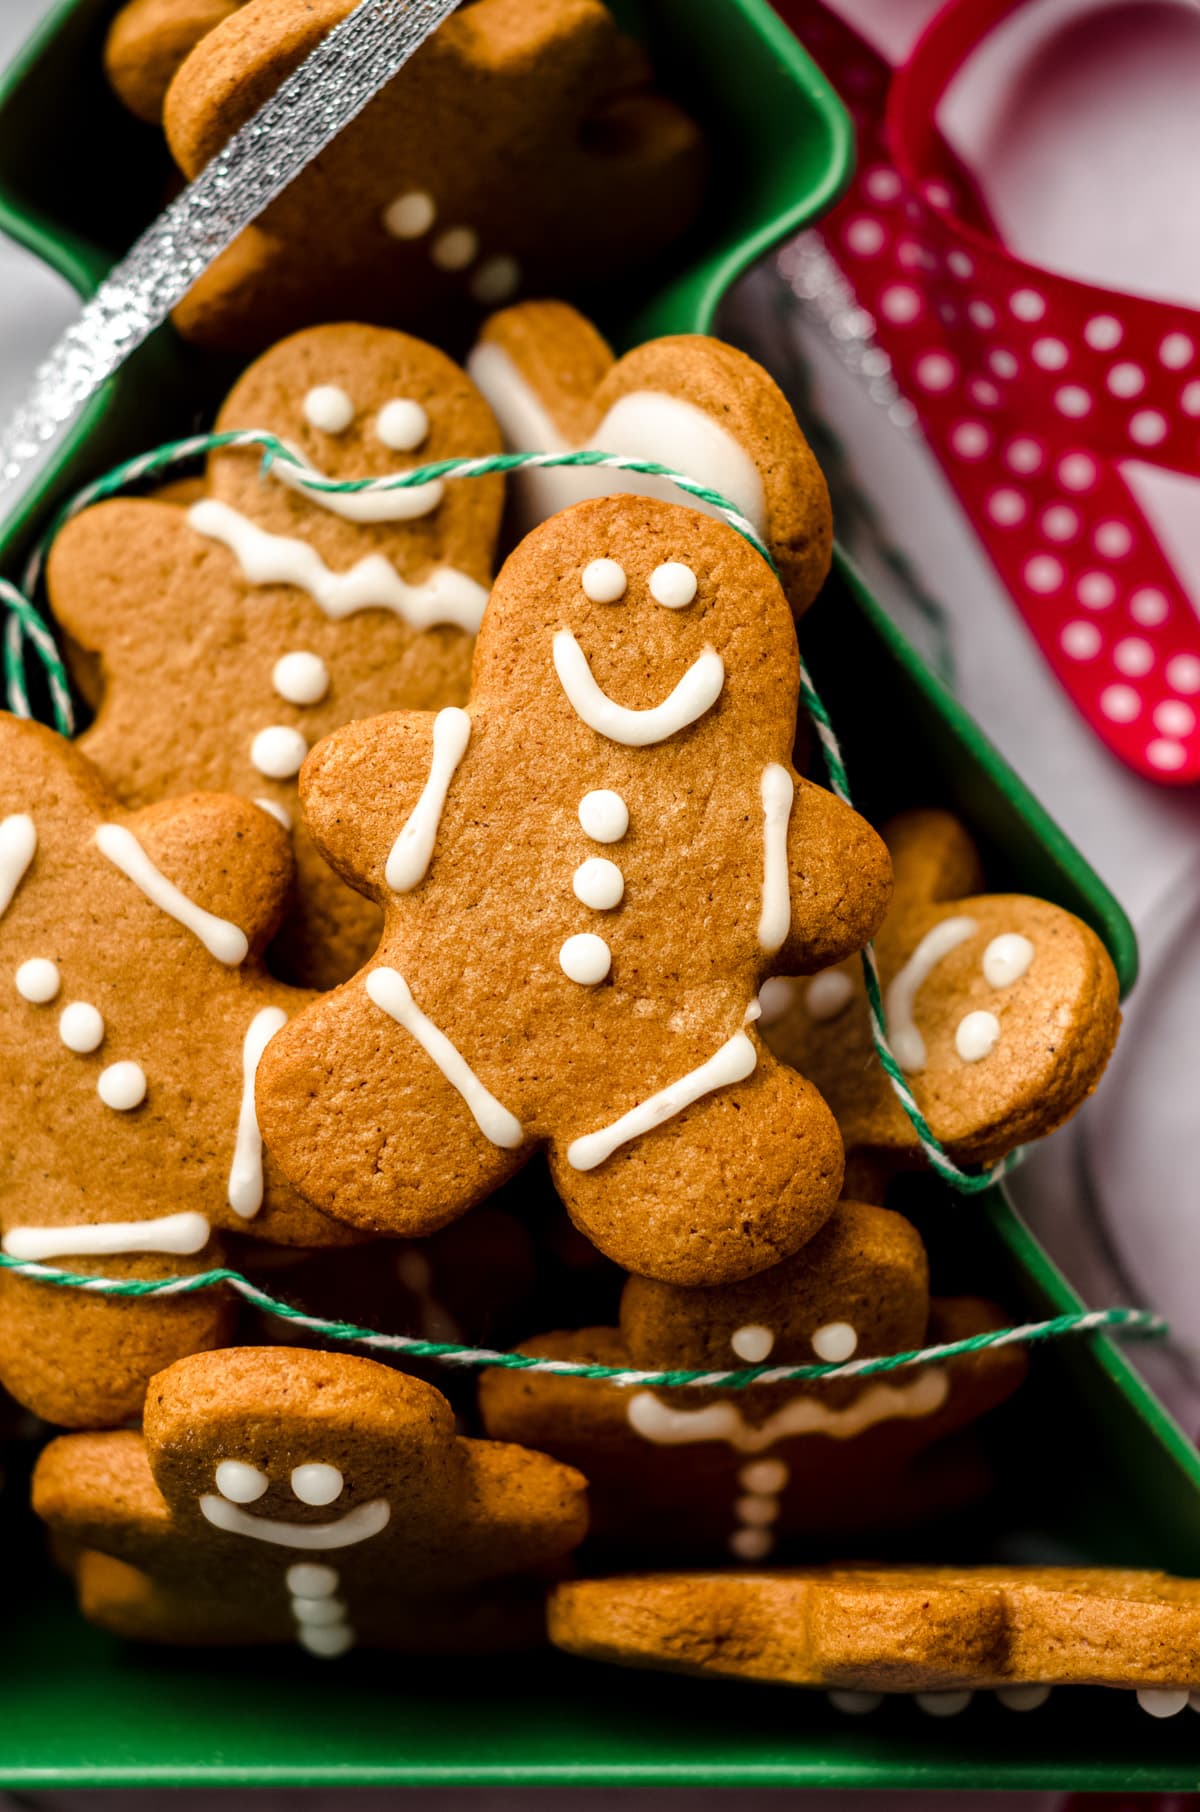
[(310, 107)]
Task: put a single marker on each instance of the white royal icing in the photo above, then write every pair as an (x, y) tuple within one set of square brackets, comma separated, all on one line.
[(667, 1426), (778, 790), (907, 1042), (279, 751), (1007, 959), (356, 1526), (732, 1063), (585, 958), (38, 981), (18, 846), (854, 1704), (696, 693), (245, 1190), (402, 425), (317, 1483), (390, 992), (220, 938), (279, 812), (301, 677), (410, 215), (775, 998), (1162, 1702), (412, 851), (943, 1704), (240, 1482), (604, 815), (752, 1343), (1022, 1698), (321, 1617), (673, 585), (405, 504), (976, 1036), (81, 1027), (496, 279), (179, 1233), (122, 1086), (373, 583), (828, 994), (454, 249), (835, 1342), (603, 581), (598, 883), (328, 408)]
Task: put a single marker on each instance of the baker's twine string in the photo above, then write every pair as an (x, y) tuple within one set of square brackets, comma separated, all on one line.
[(27, 632), (1130, 1324)]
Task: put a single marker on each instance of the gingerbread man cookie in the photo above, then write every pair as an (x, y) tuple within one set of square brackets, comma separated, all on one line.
[(147, 44), (1002, 1011), (234, 630), (695, 1472), (134, 1009), (522, 148), (689, 402), (585, 876), (278, 1495)]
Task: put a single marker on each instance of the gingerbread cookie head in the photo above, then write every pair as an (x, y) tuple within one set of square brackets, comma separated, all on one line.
[(133, 1012), (585, 876), (148, 42), (522, 148), (1002, 1010), (234, 630), (689, 402), (282, 1495)]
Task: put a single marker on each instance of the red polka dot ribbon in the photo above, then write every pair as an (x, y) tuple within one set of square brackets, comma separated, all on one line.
[(1031, 388)]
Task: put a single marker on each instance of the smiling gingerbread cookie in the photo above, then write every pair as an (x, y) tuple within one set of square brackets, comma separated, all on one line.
[(278, 1495), (585, 877)]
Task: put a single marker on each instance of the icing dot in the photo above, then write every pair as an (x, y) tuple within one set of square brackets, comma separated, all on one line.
[(454, 249), (1120, 703), (496, 279), (883, 184), (1102, 333), (900, 303), (1007, 957), (753, 1343), (278, 752), (309, 1579), (1183, 673), (1043, 573), (1189, 398), (1167, 755), (1060, 522), (1175, 350), (604, 815), (764, 1477), (1126, 379), (328, 1643), (855, 1704), (301, 678), (1161, 1703), (1080, 640), (1006, 507), (585, 958), (1113, 539), (970, 440), (1148, 427), (1174, 718), (1022, 1698), (673, 584), (402, 424), (1072, 400), (757, 1512), (1027, 305), (1133, 657), (239, 1482), (604, 581), (38, 980), (1023, 455), (751, 1544), (982, 314), (775, 998), (864, 236), (828, 993), (317, 1612), (317, 1483), (1096, 590), (599, 883), (410, 215), (1077, 471), (934, 371), (279, 812), (81, 1027), (943, 1704), (122, 1086), (329, 409), (1148, 606), (835, 1342), (1050, 354), (1002, 363), (976, 1036)]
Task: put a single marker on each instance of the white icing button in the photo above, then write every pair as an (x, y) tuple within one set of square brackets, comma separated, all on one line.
[(828, 994), (757, 1511), (943, 1704), (673, 584), (1007, 958), (309, 1579), (762, 1477), (599, 883), (278, 752), (317, 1483), (328, 409), (751, 1544), (122, 1086), (1022, 1698), (496, 279), (38, 980), (604, 815), (775, 998), (318, 1611), (279, 812), (585, 958), (1161, 1703), (604, 581), (835, 1342), (410, 215), (328, 1643), (753, 1344), (977, 1036), (240, 1483), (301, 678), (855, 1704), (81, 1027), (402, 425), (454, 249)]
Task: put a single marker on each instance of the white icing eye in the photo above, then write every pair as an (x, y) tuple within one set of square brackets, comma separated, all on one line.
[(122, 1086), (402, 425), (309, 1579), (585, 958), (239, 1482), (38, 981), (977, 1036), (454, 249), (301, 678), (604, 581), (604, 816), (496, 279), (329, 409), (753, 1343), (410, 215), (673, 584), (1007, 958), (81, 1027), (835, 1342), (317, 1483), (828, 994), (278, 752), (599, 883), (765, 1478)]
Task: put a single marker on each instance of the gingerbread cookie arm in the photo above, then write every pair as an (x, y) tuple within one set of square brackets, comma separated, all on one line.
[(521, 1511), (373, 794), (542, 361), (97, 1491), (838, 876), (933, 856), (148, 42), (108, 569)]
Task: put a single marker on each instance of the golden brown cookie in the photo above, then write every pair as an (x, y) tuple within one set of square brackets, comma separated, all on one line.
[(148, 42), (279, 1495), (585, 877), (522, 148), (133, 1010), (1002, 1011), (692, 1472), (870, 1629), (235, 629), (689, 402)]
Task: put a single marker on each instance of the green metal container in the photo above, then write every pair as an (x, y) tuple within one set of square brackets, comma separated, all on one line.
[(1092, 1465)]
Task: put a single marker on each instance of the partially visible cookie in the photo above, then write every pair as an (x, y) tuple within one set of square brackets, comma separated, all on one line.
[(147, 44)]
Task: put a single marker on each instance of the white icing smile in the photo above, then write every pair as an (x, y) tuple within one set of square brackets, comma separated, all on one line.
[(344, 1532), (696, 693), (661, 1423)]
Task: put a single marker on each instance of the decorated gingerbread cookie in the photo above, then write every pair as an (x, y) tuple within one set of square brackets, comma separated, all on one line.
[(134, 1009), (689, 402), (585, 877), (522, 149), (696, 1472), (1002, 1011), (939, 1632), (148, 42), (278, 1495), (235, 629)]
